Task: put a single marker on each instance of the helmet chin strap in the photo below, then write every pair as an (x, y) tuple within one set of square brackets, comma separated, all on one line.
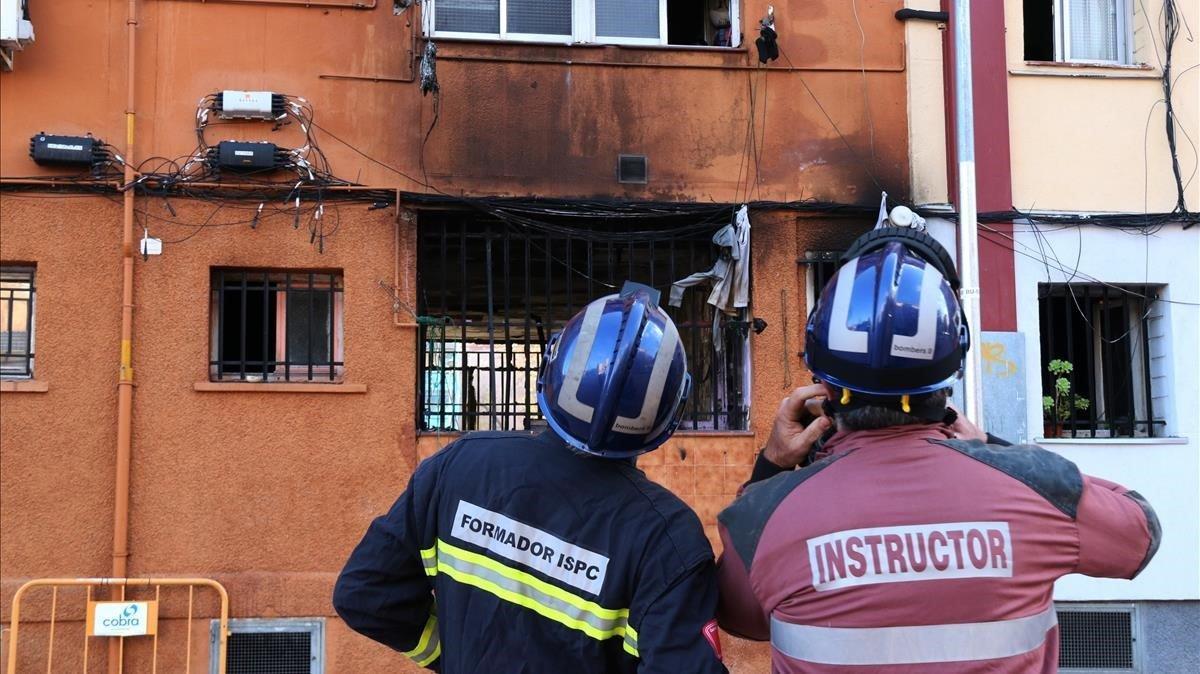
[(852, 400)]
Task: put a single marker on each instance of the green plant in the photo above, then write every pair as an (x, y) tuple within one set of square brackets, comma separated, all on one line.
[(1059, 406)]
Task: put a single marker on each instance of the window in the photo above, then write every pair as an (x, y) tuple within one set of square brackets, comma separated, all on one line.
[(1098, 638), (16, 322), (1082, 31), (635, 22), (1107, 334), (276, 325), (822, 266), (274, 645), (491, 294)]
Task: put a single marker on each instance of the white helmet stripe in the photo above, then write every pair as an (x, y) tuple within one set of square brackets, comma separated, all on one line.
[(654, 388), (921, 345), (567, 399), (841, 337)]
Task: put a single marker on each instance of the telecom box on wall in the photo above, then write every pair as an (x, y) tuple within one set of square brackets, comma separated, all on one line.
[(233, 154), (50, 149)]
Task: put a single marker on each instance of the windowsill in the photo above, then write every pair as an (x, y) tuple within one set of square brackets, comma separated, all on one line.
[(1074, 69), (274, 387), (494, 42), (24, 386), (1112, 441)]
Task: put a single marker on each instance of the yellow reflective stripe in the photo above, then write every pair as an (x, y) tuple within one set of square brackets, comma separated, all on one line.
[(422, 653), (429, 559), (536, 607), (534, 582)]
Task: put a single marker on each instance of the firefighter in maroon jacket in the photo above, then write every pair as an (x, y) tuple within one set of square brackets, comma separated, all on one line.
[(909, 545)]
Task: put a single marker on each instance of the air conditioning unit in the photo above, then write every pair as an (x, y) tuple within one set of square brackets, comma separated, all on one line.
[(16, 30)]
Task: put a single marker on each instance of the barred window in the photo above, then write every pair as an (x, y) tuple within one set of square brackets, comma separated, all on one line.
[(16, 321), (1101, 360), (276, 325), (491, 293), (822, 267)]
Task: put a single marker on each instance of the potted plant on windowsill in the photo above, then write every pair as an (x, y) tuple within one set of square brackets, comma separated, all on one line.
[(1059, 406)]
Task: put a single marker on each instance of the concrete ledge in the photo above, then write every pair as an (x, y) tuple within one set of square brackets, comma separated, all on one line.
[(275, 387), (1111, 441), (24, 386)]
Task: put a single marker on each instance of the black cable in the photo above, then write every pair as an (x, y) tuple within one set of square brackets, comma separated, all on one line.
[(1170, 33)]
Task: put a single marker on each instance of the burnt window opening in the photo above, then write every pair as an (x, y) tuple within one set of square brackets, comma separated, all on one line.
[(822, 267), (272, 326), (16, 321), (490, 295), (1108, 335)]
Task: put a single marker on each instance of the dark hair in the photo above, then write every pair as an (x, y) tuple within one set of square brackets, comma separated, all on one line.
[(870, 417)]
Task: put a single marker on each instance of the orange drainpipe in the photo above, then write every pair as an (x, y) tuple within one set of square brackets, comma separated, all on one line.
[(120, 565)]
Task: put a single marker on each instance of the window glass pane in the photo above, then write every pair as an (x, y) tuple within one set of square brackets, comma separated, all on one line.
[(1094, 30), (627, 18), (308, 326), (546, 17), (468, 16)]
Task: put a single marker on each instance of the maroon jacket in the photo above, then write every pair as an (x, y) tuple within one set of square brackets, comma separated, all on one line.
[(905, 551)]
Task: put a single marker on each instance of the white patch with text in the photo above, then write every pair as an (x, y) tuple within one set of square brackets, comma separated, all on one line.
[(537, 549), (910, 553)]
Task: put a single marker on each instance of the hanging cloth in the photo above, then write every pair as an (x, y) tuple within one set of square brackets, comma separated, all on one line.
[(730, 276)]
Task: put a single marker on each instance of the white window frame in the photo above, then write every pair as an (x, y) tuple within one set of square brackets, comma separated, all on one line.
[(1062, 34), (583, 28)]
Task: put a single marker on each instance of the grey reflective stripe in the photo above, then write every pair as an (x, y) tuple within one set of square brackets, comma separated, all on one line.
[(912, 645), (601, 628)]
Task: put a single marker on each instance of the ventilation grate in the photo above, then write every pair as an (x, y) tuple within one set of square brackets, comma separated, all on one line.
[(631, 168), (1096, 640), (273, 647)]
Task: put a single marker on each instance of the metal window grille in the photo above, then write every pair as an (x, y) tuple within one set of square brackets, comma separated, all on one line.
[(1097, 638), (491, 294), (272, 646), (276, 325), (1104, 332), (822, 265), (16, 322)]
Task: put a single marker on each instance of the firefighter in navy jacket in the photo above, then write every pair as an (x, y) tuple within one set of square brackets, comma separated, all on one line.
[(553, 553)]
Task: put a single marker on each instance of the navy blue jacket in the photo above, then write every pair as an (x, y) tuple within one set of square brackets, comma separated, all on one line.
[(541, 560)]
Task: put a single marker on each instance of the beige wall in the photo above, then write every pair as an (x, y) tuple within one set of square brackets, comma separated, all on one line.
[(926, 106), (1079, 136)]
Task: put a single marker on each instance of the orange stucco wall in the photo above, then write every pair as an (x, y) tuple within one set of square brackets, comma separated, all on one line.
[(268, 491)]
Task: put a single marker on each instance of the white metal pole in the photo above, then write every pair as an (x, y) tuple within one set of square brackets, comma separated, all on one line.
[(968, 262)]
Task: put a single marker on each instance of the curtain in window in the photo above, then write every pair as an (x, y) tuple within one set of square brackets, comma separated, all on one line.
[(1093, 30), (627, 18), (468, 16), (543, 17)]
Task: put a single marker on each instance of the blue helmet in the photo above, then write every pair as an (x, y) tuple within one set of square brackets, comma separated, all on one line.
[(889, 322), (614, 381)]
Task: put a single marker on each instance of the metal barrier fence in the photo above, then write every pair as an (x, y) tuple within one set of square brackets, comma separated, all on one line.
[(118, 617)]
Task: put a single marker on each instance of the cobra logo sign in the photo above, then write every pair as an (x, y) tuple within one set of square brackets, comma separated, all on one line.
[(122, 618)]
